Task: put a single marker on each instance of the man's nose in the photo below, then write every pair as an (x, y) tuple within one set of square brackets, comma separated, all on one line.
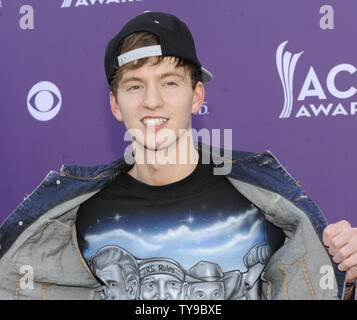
[(153, 98), (163, 295)]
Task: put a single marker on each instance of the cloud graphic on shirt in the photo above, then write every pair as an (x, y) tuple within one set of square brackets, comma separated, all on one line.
[(221, 228), (122, 235), (214, 233), (239, 238)]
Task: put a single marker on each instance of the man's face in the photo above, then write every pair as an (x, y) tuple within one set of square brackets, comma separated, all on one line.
[(154, 98), (115, 283), (161, 287), (207, 291)]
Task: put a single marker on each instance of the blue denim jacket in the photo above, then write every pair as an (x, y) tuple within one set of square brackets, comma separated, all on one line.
[(29, 235)]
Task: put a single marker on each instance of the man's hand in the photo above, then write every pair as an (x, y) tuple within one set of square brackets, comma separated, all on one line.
[(341, 240)]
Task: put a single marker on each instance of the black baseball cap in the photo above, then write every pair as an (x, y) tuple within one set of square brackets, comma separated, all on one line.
[(175, 39)]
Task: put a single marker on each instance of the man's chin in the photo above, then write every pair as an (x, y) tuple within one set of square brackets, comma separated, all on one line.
[(158, 147)]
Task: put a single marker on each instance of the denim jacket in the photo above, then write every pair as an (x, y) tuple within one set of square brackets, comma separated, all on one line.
[(40, 234)]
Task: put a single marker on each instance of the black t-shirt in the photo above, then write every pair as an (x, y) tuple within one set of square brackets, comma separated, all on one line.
[(197, 238)]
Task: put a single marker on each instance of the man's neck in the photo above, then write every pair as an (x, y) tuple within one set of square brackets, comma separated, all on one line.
[(165, 166)]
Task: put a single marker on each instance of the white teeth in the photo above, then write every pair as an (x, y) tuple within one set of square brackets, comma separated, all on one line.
[(154, 121)]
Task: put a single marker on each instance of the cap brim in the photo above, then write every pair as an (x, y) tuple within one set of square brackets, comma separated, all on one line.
[(206, 75)]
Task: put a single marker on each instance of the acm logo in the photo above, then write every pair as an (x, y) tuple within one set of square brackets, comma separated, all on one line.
[(312, 99)]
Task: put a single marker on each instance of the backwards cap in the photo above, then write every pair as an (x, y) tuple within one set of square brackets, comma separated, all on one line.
[(175, 40)]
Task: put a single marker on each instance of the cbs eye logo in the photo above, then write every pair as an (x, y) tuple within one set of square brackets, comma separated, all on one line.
[(44, 101)]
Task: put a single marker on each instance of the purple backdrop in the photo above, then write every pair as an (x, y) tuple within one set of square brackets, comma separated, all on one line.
[(237, 40)]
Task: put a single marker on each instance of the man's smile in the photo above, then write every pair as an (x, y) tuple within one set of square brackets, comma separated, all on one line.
[(154, 122)]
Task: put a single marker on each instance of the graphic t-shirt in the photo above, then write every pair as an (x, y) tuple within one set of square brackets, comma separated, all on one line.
[(197, 238)]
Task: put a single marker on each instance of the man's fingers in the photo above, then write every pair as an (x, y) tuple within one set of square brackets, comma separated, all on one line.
[(339, 241), (343, 253), (349, 263), (332, 230)]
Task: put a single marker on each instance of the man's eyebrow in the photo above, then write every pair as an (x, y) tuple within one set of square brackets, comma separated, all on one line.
[(162, 76), (125, 80), (148, 279), (172, 73)]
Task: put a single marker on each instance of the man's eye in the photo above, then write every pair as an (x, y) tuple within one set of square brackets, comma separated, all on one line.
[(149, 286), (216, 294), (199, 295), (113, 284), (171, 83), (174, 285), (131, 88)]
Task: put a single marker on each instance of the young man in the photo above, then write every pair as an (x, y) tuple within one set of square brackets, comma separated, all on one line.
[(165, 205)]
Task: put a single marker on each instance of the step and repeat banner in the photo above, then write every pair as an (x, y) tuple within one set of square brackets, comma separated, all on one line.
[(284, 73)]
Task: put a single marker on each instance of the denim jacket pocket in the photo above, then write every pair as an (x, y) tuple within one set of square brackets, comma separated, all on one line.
[(280, 274), (43, 250)]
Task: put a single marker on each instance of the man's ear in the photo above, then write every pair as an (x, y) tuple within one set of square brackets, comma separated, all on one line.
[(133, 289), (198, 97), (115, 107)]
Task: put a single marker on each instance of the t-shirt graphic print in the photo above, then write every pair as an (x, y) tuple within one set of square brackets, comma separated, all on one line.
[(195, 239)]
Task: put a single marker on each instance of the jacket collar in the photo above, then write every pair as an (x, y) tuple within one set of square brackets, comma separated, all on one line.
[(219, 156)]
